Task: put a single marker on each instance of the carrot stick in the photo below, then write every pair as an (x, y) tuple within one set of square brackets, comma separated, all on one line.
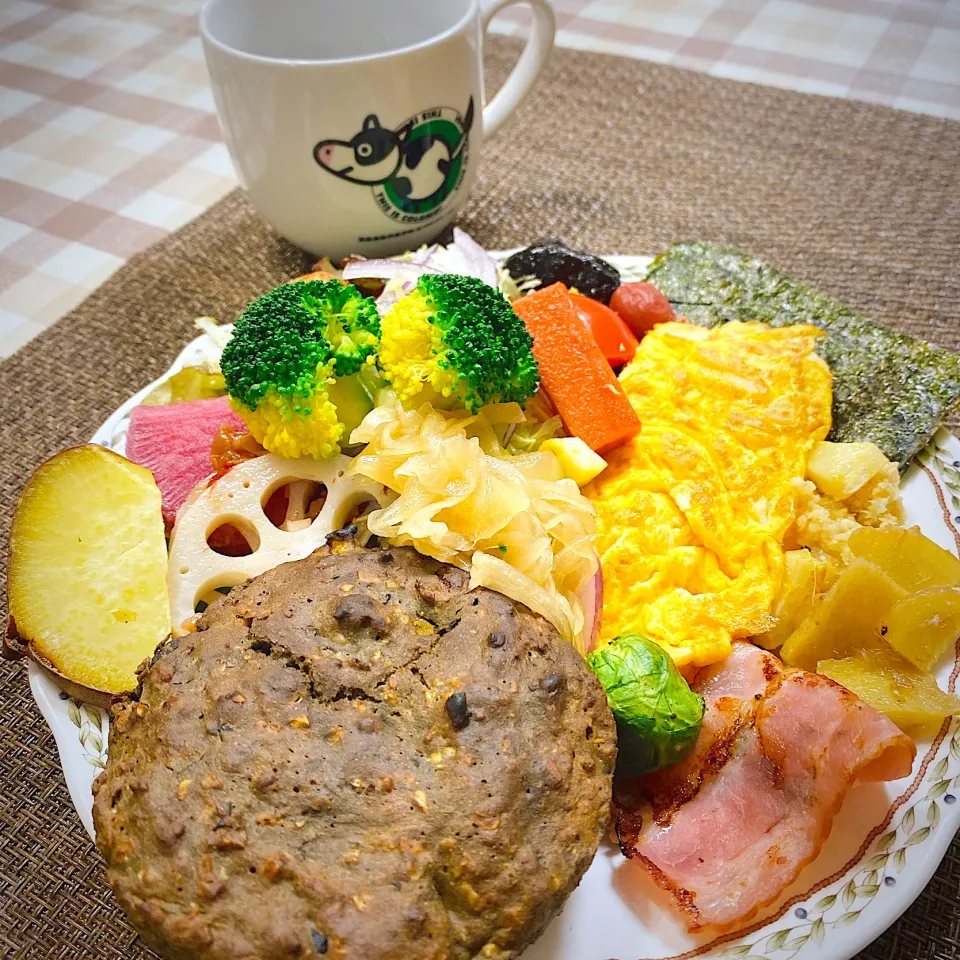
[(574, 372)]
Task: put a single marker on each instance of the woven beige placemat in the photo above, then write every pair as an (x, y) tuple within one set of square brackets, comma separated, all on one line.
[(610, 154)]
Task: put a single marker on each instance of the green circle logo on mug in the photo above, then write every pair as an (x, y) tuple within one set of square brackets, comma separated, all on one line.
[(413, 169)]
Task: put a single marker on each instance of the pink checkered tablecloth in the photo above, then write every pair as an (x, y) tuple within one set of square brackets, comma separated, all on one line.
[(108, 138)]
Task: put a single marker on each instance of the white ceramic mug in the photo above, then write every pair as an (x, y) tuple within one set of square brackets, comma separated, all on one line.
[(355, 126)]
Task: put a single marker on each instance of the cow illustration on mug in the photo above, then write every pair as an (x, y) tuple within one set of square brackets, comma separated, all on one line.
[(412, 169)]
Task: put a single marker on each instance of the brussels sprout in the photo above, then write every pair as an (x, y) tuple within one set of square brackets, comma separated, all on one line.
[(658, 716)]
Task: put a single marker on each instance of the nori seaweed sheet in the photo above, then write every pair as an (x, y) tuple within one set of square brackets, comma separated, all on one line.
[(888, 387)]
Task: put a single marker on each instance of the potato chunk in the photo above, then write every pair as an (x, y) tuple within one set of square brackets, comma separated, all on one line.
[(846, 620), (840, 469), (87, 581), (909, 697), (906, 555), (798, 591), (921, 627), (577, 460)]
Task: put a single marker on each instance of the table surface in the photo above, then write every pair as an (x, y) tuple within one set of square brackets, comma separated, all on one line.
[(109, 141), (877, 228)]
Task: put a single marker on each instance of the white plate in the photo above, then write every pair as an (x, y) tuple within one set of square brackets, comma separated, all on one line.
[(885, 845)]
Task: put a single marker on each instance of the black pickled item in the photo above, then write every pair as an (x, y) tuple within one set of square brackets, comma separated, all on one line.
[(888, 387), (456, 707), (552, 261)]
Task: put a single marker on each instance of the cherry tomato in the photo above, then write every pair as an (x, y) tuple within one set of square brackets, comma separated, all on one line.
[(642, 306), (613, 336)]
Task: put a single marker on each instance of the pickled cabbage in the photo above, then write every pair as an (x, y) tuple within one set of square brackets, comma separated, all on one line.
[(541, 423), (190, 383), (514, 521)]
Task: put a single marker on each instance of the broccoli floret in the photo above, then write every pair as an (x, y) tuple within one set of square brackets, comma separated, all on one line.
[(287, 350), (460, 337)]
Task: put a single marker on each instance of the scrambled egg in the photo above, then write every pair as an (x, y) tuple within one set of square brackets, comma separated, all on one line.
[(693, 511)]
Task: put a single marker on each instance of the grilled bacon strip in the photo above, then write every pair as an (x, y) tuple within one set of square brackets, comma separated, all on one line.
[(727, 829)]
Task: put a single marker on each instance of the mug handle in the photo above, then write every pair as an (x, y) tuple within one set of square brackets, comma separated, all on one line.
[(524, 74)]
